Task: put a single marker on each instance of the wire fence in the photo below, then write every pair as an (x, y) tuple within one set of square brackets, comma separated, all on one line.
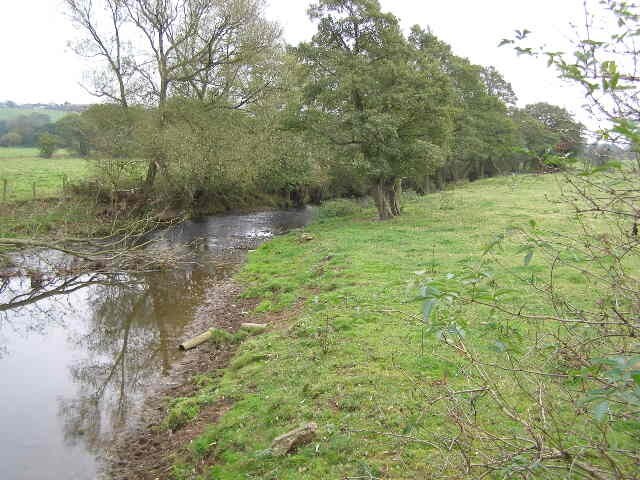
[(13, 189)]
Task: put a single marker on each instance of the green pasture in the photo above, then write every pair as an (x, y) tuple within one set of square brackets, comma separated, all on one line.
[(357, 358), (21, 169)]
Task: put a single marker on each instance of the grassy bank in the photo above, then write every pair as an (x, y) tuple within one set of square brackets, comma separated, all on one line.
[(357, 360), (83, 210)]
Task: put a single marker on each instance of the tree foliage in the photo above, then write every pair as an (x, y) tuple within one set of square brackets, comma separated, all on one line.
[(360, 109), (219, 51), (371, 93), (48, 144)]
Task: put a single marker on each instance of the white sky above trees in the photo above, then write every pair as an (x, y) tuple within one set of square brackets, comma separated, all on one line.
[(36, 65)]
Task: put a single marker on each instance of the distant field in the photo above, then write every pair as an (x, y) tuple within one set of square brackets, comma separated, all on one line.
[(21, 167), (9, 113), (26, 152)]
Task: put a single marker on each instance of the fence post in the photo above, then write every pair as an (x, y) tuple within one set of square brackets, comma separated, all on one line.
[(4, 189), (64, 183), (33, 189)]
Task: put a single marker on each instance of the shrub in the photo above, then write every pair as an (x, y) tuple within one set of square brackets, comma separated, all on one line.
[(48, 144)]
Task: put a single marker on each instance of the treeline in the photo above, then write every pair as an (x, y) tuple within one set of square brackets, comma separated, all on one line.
[(23, 125), (207, 104), (24, 130)]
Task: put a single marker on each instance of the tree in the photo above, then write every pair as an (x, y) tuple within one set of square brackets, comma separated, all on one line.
[(561, 123), (497, 86), (545, 131), (29, 127), (48, 144), (483, 131), (102, 22), (74, 133), (11, 139), (384, 105), (243, 63), (3, 127), (154, 49)]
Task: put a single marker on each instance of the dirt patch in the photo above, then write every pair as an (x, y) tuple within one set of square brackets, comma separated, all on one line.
[(146, 451)]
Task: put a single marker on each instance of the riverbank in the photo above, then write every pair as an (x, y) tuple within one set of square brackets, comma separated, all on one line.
[(147, 449), (110, 341), (353, 355), (66, 197)]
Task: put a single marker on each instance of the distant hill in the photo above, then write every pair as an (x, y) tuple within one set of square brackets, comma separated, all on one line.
[(9, 110)]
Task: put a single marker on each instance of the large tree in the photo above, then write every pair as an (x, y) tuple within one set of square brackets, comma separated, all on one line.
[(546, 130), (380, 101), (483, 131), (561, 123), (152, 50)]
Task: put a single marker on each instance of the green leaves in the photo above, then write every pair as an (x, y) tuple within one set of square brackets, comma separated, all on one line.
[(528, 257), (522, 34), (428, 308), (431, 296), (600, 410), (377, 95)]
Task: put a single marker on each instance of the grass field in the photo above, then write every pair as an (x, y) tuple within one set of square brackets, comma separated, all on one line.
[(354, 360), (9, 113), (21, 168), (12, 153)]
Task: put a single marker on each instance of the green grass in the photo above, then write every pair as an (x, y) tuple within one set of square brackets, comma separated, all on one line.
[(355, 361), (21, 168), (12, 153), (7, 113)]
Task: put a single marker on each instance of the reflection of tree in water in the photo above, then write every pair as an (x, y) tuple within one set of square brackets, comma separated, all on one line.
[(129, 340), (32, 303)]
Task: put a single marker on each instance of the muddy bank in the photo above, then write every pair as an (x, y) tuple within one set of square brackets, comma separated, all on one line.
[(147, 451)]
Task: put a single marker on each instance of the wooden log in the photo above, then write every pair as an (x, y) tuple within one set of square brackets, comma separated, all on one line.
[(254, 326), (195, 341)]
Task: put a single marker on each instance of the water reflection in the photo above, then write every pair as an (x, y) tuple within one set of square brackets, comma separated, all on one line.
[(77, 352), (130, 339)]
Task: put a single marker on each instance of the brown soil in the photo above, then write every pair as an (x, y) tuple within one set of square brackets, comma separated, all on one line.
[(146, 452)]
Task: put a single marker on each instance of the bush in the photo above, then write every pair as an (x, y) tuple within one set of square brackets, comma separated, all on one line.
[(48, 144), (11, 139), (341, 208)]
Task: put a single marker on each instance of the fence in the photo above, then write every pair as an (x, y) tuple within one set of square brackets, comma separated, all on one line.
[(21, 189)]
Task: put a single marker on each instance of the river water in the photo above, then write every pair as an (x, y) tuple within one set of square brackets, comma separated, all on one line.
[(77, 354)]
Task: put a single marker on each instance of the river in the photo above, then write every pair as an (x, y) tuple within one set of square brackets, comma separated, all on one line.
[(77, 355)]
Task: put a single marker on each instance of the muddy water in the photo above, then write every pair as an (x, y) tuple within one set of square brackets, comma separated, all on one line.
[(77, 354)]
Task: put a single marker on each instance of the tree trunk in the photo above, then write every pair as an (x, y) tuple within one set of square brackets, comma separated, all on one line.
[(440, 181), (394, 193), (152, 171), (158, 157), (386, 195)]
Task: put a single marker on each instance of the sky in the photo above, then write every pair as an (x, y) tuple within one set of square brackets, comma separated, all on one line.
[(38, 66)]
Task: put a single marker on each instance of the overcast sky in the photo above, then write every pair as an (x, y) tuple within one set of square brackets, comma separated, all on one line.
[(37, 65)]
